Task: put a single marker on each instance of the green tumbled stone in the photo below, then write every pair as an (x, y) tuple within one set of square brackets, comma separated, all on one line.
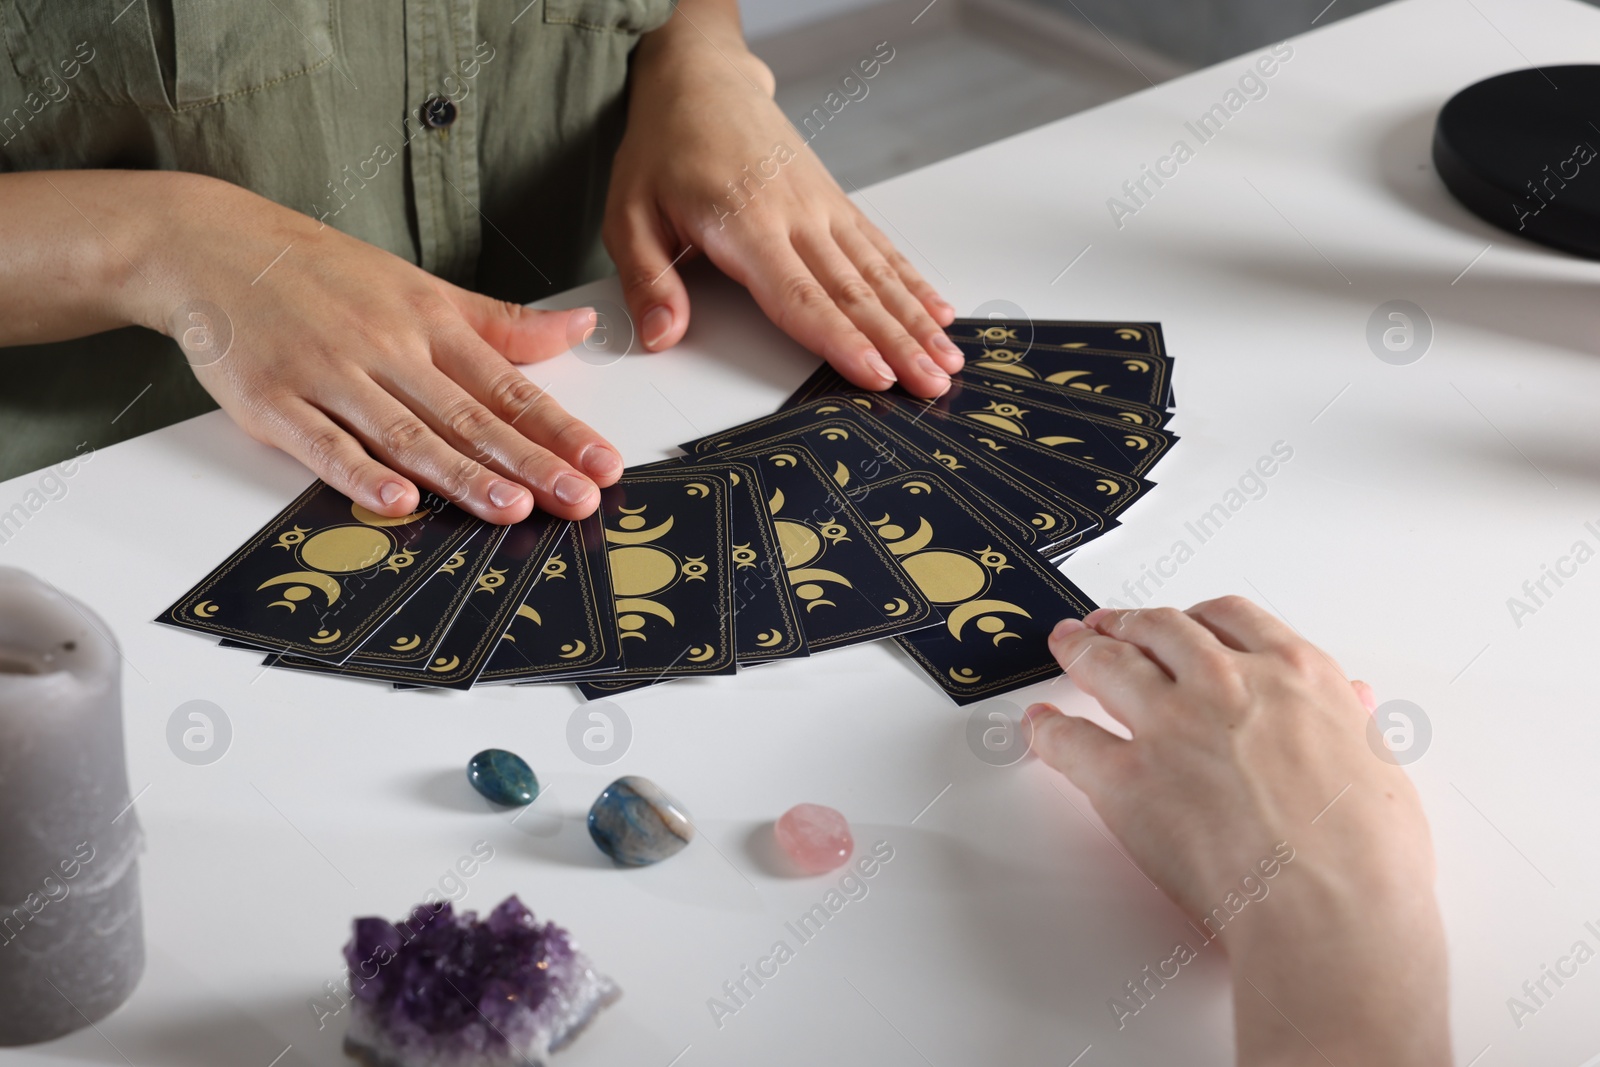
[(504, 777)]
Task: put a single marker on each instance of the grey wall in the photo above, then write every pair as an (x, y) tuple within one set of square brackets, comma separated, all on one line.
[(1207, 31)]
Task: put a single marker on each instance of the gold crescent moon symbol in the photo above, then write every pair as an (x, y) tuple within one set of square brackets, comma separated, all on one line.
[(1133, 440), (578, 648), (829, 409), (916, 542), (964, 613), (1128, 333), (526, 612), (639, 537), (1043, 521), (769, 638), (372, 518), (1131, 416), (205, 609), (408, 644), (329, 587), (1137, 364), (646, 607), (817, 574), (775, 504), (1065, 377), (444, 666), (733, 476), (1054, 441), (323, 637), (993, 445), (861, 402), (814, 604), (701, 655), (841, 475), (964, 676), (896, 608), (1106, 485), (783, 459), (834, 433), (697, 489)]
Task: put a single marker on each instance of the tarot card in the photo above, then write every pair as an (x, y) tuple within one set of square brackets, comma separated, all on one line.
[(669, 537), (1082, 401), (855, 449), (980, 412), (1143, 379), (1135, 338), (999, 600), (766, 623), (848, 585), (568, 623), (414, 632), (497, 592), (323, 574)]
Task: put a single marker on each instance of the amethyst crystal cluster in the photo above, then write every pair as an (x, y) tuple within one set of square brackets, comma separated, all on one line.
[(441, 990)]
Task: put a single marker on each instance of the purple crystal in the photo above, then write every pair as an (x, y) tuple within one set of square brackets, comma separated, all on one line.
[(440, 990)]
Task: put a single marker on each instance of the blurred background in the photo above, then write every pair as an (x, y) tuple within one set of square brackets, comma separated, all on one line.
[(967, 72)]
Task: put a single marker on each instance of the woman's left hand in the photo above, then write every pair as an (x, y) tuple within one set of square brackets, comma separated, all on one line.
[(710, 165)]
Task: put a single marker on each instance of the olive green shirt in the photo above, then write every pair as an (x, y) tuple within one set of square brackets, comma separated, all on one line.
[(472, 137)]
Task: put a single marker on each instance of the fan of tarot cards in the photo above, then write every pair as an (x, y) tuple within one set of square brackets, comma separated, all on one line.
[(847, 516)]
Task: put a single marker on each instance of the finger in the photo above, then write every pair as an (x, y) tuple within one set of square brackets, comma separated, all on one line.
[(338, 459), (521, 412), (791, 297), (1174, 640), (1242, 625), (1076, 747), (1125, 681), (897, 299), (521, 334), (940, 308), (853, 295), (1364, 693), (400, 436), (646, 255)]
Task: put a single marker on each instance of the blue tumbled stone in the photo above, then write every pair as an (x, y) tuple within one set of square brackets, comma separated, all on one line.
[(504, 777), (636, 824)]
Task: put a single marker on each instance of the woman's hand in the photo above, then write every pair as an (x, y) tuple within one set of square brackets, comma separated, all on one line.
[(709, 164), (375, 374), (1249, 745)]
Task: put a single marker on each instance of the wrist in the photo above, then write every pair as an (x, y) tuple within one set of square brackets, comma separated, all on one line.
[(685, 51)]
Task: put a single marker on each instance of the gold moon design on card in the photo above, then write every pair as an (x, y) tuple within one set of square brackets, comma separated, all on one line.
[(525, 612), (988, 610), (407, 644), (896, 607), (635, 535), (769, 638), (205, 609), (300, 584), (323, 637), (640, 570), (700, 654), (1106, 485), (639, 607), (1133, 440), (697, 489), (915, 543), (573, 650), (965, 676), (1054, 441), (946, 577), (798, 543), (445, 666), (1043, 521), (341, 549), (372, 518)]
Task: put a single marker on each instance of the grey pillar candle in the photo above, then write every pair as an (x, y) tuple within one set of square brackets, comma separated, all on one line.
[(71, 942)]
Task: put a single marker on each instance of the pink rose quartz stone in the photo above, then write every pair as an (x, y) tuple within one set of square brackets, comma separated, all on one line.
[(816, 838)]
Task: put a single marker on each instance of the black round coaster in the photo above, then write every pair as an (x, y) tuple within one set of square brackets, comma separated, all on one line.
[(1523, 151)]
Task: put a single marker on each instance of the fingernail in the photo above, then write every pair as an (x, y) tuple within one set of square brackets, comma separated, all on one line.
[(391, 492), (927, 366), (876, 364), (657, 322), (600, 461), (571, 489), (948, 347), (1037, 710), (587, 319), (505, 495), (1096, 616), (1066, 628), (945, 305)]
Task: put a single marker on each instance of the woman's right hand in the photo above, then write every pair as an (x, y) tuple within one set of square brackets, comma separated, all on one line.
[(373, 373)]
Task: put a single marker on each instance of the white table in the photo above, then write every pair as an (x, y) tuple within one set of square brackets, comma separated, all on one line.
[(1419, 498)]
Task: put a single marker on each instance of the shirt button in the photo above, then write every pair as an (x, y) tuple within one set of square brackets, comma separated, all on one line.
[(438, 112)]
